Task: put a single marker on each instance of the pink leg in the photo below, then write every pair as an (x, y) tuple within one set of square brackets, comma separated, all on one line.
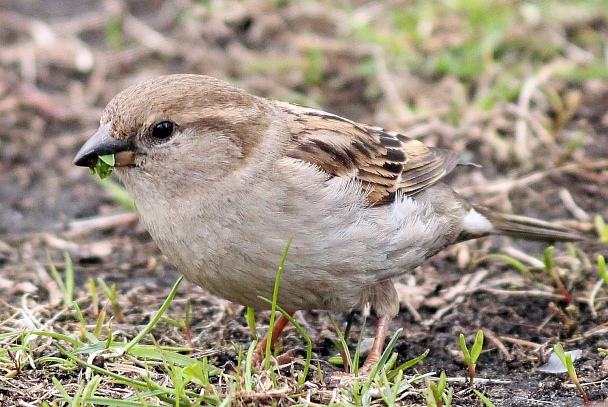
[(260, 349), (376, 351)]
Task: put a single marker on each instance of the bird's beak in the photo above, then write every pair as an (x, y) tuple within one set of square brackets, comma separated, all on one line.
[(102, 143)]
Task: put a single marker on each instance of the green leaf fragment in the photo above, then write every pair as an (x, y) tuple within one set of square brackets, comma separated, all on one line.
[(104, 166), (108, 159)]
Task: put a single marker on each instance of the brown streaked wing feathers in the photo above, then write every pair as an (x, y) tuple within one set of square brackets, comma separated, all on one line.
[(384, 161)]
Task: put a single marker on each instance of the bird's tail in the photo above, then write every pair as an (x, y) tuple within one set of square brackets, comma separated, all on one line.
[(522, 227)]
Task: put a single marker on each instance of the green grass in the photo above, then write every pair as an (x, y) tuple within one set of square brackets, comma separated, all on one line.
[(470, 357), (150, 373), (566, 359)]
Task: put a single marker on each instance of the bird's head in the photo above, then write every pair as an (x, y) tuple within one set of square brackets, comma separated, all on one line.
[(178, 128)]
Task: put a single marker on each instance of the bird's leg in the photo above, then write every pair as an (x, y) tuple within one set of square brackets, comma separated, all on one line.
[(260, 349), (376, 351)]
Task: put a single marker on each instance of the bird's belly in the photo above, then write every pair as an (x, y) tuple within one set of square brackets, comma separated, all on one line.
[(339, 250), (244, 282)]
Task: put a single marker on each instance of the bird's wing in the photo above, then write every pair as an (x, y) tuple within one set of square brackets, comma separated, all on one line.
[(383, 161)]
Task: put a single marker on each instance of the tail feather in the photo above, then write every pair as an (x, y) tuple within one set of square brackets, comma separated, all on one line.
[(522, 227)]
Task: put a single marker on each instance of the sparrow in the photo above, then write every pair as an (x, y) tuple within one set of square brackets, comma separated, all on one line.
[(223, 180)]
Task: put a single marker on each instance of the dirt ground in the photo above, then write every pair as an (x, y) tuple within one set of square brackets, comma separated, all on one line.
[(545, 157)]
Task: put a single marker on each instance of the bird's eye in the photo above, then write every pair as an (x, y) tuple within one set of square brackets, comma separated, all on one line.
[(163, 130)]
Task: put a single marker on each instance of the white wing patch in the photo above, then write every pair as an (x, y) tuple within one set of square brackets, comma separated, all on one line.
[(403, 208), (475, 223)]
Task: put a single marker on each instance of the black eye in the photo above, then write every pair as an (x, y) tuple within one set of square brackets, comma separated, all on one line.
[(163, 130)]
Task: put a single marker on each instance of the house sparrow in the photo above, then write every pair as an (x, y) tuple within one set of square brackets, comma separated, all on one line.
[(224, 179)]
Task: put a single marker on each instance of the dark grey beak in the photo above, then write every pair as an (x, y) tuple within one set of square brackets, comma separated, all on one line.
[(102, 143)]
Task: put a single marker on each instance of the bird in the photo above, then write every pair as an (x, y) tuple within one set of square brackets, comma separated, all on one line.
[(224, 179)]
